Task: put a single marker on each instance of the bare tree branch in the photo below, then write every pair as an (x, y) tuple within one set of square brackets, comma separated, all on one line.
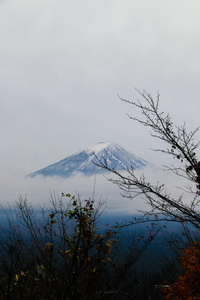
[(182, 148)]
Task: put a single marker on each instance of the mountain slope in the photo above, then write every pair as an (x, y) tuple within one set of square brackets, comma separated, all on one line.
[(83, 161)]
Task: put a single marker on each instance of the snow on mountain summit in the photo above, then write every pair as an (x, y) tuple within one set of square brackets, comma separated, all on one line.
[(98, 147), (84, 161)]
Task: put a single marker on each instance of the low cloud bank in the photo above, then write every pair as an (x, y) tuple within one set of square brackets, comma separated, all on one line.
[(38, 189)]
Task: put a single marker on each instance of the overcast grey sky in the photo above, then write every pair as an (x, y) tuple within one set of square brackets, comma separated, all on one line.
[(62, 64)]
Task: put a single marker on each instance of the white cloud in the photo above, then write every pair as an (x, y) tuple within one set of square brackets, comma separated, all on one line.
[(63, 62), (38, 189)]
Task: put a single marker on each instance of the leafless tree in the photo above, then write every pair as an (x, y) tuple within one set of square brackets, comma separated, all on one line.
[(59, 252), (180, 145)]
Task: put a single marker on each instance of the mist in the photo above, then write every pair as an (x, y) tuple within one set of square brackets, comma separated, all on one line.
[(38, 190)]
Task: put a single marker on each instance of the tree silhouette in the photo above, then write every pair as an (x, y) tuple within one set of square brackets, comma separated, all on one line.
[(59, 253), (181, 146)]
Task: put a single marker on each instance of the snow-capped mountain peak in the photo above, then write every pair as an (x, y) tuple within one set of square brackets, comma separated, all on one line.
[(98, 147), (84, 161)]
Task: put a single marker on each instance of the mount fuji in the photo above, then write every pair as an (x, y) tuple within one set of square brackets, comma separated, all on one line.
[(84, 161)]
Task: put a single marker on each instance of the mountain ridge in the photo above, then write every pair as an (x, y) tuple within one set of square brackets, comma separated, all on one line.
[(84, 161)]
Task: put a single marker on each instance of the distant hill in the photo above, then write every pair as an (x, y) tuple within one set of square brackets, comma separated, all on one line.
[(115, 155)]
